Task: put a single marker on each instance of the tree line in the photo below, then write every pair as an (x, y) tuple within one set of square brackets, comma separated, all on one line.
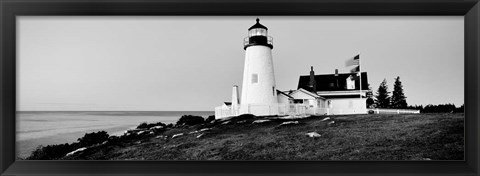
[(398, 100), (441, 108), (384, 100)]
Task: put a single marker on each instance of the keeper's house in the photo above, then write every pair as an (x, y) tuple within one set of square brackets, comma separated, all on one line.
[(341, 92)]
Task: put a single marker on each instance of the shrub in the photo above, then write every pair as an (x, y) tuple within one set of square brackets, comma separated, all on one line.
[(150, 125), (210, 119), (142, 125), (93, 138), (51, 152), (114, 140), (190, 120), (243, 117), (370, 102), (54, 152)]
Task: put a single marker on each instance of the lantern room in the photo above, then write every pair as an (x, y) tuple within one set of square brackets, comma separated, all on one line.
[(257, 35)]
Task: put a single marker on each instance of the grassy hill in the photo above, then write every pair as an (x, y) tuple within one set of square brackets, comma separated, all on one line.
[(344, 137)]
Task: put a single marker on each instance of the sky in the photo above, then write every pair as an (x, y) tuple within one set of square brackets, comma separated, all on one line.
[(190, 63)]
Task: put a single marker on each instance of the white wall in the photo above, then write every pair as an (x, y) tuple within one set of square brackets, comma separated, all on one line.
[(282, 99), (347, 106), (258, 60)]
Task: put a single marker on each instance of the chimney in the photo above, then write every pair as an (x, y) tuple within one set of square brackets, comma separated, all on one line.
[(312, 83), (336, 78), (235, 100)]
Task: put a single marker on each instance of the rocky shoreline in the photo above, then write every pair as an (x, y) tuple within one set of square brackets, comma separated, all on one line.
[(246, 137)]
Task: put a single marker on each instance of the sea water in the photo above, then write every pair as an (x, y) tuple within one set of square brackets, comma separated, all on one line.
[(40, 128)]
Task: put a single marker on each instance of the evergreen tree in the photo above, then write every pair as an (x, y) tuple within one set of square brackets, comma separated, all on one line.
[(398, 97), (383, 99)]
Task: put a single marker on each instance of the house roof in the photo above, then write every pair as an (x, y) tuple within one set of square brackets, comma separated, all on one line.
[(314, 95), (330, 82), (283, 93), (340, 96)]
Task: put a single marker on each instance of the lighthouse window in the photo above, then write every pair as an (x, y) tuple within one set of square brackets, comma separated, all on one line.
[(255, 32), (254, 78)]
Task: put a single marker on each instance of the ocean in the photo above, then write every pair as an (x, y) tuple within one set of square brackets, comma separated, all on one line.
[(35, 128)]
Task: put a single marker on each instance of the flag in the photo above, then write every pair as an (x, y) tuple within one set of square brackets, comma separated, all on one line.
[(353, 61), (355, 70), (355, 77)]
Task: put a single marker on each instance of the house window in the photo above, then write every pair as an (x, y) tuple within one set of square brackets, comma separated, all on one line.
[(273, 91), (298, 101), (254, 78)]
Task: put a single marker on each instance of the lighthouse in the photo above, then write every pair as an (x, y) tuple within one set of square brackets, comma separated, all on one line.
[(259, 95)]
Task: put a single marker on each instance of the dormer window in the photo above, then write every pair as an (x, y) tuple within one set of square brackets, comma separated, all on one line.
[(350, 82)]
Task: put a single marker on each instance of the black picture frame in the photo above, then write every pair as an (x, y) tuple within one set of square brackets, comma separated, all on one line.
[(470, 9)]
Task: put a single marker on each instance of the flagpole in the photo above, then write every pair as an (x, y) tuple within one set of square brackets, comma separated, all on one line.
[(360, 71)]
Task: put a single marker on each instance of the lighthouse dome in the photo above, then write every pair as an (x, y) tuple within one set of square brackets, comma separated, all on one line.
[(258, 25)]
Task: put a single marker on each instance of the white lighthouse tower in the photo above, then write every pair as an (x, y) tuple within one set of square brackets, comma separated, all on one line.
[(259, 96)]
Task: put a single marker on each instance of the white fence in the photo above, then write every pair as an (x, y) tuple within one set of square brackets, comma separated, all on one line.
[(340, 111), (279, 109), (395, 111), (224, 111), (299, 110)]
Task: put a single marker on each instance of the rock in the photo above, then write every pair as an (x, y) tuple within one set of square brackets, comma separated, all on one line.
[(332, 122), (78, 150), (227, 122), (201, 130), (326, 118), (151, 132), (242, 121), (313, 134), (140, 132), (286, 117), (156, 127), (176, 135), (199, 136), (289, 122), (260, 121), (205, 129), (291, 117)]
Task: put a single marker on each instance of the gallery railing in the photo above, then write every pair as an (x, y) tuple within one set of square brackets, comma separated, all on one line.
[(246, 41)]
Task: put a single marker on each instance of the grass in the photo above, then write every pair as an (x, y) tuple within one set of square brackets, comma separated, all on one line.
[(351, 137)]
